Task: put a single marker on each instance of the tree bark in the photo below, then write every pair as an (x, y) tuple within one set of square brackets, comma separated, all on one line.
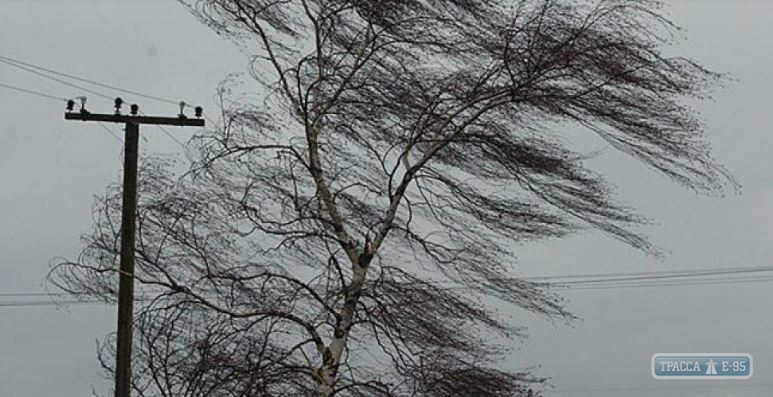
[(331, 359)]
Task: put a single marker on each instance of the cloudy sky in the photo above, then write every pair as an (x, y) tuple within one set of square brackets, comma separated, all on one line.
[(50, 169)]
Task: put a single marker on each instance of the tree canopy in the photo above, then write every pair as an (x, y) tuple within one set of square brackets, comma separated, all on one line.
[(336, 232)]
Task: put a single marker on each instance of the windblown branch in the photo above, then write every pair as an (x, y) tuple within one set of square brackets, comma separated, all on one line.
[(335, 236)]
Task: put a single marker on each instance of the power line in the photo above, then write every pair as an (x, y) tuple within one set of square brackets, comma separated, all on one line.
[(18, 294), (32, 92), (669, 276), (47, 303), (607, 282), (61, 99), (169, 134), (674, 283), (111, 132), (634, 279), (26, 66), (29, 70), (644, 273), (10, 60), (40, 302), (56, 294), (58, 99)]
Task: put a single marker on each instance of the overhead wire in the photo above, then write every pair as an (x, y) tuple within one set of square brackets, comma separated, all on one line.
[(611, 280), (29, 67), (674, 284), (58, 99), (60, 294), (47, 303), (576, 282), (36, 294), (101, 124), (60, 81), (702, 279), (642, 273), (85, 80), (659, 279), (33, 92), (668, 276), (169, 134), (21, 66), (25, 303), (18, 63)]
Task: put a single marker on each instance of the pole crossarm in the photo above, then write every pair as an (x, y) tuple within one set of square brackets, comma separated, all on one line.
[(123, 118)]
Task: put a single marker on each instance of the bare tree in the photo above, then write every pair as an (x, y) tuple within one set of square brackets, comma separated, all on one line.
[(335, 236)]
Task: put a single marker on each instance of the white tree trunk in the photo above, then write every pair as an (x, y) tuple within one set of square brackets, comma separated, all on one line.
[(331, 359)]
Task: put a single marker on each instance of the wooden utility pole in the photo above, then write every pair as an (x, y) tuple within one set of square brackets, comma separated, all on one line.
[(128, 222)]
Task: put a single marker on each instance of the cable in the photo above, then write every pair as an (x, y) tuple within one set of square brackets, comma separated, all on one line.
[(10, 60), (58, 99), (44, 95), (22, 303), (680, 275), (11, 63), (645, 279), (36, 294), (55, 79), (111, 132), (675, 284), (646, 273), (40, 94), (46, 303), (169, 134), (56, 294), (664, 281), (17, 63), (26, 65)]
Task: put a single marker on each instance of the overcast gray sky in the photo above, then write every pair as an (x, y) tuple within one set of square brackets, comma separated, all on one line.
[(50, 169)]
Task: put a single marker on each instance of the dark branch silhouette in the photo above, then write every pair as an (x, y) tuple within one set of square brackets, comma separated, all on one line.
[(335, 235)]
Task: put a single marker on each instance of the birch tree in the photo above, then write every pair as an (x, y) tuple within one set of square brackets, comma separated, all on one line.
[(346, 228)]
